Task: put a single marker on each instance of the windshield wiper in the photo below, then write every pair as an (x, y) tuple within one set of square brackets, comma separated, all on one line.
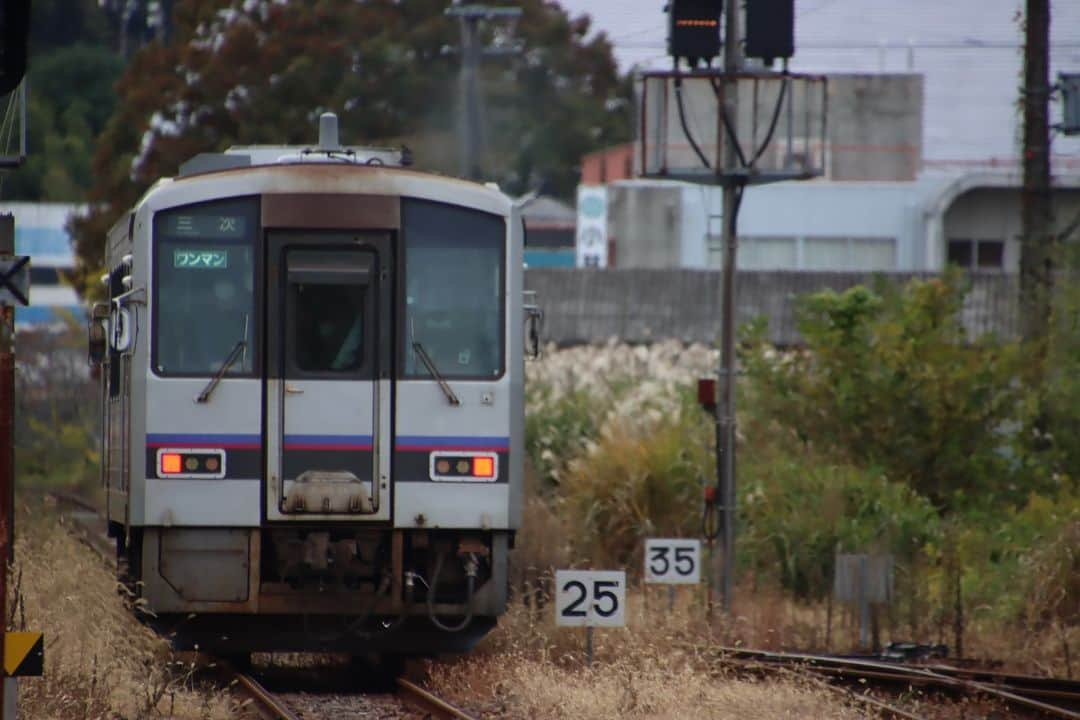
[(426, 359), (240, 348)]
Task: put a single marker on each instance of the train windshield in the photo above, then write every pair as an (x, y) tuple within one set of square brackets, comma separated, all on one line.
[(204, 289), (454, 261)]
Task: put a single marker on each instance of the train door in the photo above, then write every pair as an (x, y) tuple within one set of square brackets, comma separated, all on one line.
[(328, 410)]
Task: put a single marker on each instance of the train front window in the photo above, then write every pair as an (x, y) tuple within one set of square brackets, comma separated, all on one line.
[(204, 289), (453, 294), (327, 312)]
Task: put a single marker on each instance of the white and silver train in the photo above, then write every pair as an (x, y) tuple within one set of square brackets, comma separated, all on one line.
[(312, 391)]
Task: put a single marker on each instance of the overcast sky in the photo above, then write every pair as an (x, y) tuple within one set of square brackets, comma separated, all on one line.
[(968, 50)]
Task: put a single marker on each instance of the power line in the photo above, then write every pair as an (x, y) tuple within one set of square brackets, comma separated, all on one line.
[(890, 45)]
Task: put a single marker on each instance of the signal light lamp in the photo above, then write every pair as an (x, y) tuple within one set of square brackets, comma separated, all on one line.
[(694, 29)]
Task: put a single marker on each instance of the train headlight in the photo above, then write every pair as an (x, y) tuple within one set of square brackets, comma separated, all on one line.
[(464, 466)]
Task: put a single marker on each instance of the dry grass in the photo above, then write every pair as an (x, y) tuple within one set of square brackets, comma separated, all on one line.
[(100, 662), (656, 667), (651, 686)]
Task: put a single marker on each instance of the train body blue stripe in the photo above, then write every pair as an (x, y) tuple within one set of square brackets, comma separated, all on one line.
[(331, 442), (203, 440), (451, 442)]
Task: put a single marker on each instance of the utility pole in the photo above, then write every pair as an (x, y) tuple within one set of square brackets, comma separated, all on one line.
[(725, 407), (471, 116), (1038, 250), (7, 447), (7, 453)]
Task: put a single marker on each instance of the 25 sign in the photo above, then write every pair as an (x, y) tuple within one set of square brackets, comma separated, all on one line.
[(590, 598), (673, 561)]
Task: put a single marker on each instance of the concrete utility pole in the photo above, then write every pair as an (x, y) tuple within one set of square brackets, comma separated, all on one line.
[(725, 407), (7, 453), (471, 117), (1038, 249)]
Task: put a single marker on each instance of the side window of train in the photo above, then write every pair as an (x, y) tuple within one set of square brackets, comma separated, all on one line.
[(328, 312), (453, 291), (204, 271)]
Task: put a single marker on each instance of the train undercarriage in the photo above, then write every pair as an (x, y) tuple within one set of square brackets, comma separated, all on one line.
[(321, 588)]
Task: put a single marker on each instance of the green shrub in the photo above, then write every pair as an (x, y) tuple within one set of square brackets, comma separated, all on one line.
[(1022, 564), (557, 429), (641, 478), (890, 380), (797, 510), (57, 410)]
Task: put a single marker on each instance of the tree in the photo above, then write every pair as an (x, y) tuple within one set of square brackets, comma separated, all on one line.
[(890, 380), (70, 79), (70, 100), (261, 72)]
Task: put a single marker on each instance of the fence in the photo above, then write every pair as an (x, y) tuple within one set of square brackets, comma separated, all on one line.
[(645, 305)]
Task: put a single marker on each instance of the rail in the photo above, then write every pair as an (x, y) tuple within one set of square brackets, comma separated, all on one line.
[(265, 703), (1055, 697), (430, 702)]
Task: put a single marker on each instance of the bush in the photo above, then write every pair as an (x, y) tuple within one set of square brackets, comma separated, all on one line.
[(642, 478), (57, 410), (798, 510), (890, 380), (571, 394)]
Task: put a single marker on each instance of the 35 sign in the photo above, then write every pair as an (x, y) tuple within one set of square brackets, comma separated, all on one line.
[(590, 598), (673, 561)]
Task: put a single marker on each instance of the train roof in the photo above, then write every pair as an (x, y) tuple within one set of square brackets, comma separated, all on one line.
[(326, 167)]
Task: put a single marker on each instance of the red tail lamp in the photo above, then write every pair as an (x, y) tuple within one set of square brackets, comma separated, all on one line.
[(483, 467), (171, 463)]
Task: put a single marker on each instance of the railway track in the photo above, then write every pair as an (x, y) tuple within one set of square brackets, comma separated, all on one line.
[(407, 700), (1045, 697), (1048, 697)]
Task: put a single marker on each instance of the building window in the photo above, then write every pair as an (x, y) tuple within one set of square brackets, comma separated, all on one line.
[(849, 254), (976, 254), (769, 253)]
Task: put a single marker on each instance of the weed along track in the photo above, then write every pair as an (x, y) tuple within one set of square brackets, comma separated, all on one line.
[(304, 691)]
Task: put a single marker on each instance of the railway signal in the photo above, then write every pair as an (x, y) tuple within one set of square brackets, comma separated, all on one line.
[(694, 30)]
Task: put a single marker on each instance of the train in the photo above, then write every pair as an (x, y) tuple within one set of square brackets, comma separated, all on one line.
[(312, 384)]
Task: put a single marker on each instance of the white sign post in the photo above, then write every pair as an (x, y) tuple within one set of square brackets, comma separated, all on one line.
[(671, 562), (592, 232), (590, 598)]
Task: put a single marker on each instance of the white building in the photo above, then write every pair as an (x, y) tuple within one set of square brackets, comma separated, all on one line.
[(971, 219), (40, 232)]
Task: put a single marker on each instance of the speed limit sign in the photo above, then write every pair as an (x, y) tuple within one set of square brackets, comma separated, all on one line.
[(673, 561), (590, 598)]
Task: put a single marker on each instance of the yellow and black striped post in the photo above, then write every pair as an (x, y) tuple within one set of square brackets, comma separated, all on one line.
[(24, 654)]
